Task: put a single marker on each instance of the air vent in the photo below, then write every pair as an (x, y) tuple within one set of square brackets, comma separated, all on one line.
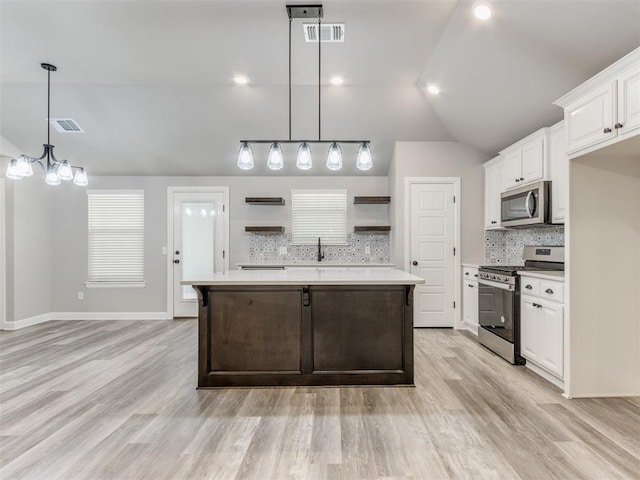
[(330, 32), (66, 125)]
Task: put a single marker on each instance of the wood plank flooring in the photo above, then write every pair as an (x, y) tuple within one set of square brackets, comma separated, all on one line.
[(116, 400)]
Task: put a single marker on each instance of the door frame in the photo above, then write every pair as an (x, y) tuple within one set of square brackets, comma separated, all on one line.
[(455, 181), (3, 262), (171, 191)]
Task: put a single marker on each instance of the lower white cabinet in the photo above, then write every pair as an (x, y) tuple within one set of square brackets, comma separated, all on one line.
[(470, 298), (542, 325)]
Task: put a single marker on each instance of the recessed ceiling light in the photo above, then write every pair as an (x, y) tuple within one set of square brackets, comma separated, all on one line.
[(240, 79), (433, 89), (336, 80), (482, 10)]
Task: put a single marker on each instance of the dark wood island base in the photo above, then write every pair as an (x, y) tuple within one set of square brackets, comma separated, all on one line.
[(302, 335)]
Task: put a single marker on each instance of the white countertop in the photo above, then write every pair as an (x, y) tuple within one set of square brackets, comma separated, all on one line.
[(315, 265), (556, 275), (472, 265), (311, 276)]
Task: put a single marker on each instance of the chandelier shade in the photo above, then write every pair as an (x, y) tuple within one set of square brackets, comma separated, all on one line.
[(55, 170), (275, 159)]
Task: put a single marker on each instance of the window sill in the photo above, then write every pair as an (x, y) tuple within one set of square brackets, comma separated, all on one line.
[(115, 285)]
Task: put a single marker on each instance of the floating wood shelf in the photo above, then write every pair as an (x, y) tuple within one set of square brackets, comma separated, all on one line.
[(264, 200), (372, 228), (264, 229), (371, 200)]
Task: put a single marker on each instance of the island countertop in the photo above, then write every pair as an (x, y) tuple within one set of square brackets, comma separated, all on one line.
[(310, 276)]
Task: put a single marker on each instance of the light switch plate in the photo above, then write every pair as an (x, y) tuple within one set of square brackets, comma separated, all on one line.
[(367, 249)]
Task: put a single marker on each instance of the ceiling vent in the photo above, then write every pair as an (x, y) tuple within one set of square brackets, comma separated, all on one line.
[(66, 125), (330, 32)]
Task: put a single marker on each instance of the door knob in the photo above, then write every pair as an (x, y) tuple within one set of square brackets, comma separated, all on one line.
[(414, 263), (176, 261)]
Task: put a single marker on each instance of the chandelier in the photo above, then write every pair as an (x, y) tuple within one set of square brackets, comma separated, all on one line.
[(275, 160), (55, 170)]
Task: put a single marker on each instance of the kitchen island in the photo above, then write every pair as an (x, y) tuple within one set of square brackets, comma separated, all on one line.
[(305, 327)]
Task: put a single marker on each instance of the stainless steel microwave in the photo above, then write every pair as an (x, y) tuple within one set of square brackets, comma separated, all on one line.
[(526, 206)]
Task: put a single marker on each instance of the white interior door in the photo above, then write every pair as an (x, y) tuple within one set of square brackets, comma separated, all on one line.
[(432, 253), (198, 245), (3, 302)]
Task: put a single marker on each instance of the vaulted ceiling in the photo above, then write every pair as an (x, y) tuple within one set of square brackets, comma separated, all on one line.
[(150, 82)]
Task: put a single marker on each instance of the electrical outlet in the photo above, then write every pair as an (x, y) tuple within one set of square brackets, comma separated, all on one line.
[(80, 296), (282, 250), (367, 249), (164, 250)]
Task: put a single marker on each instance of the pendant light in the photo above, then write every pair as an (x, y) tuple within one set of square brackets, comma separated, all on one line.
[(245, 157), (334, 157), (363, 160), (304, 161), (55, 170), (275, 161)]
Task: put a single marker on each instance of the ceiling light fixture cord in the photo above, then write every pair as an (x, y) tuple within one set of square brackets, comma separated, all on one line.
[(319, 78)]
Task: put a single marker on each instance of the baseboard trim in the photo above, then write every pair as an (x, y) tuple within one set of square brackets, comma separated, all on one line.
[(89, 316), (549, 377), (28, 322), (111, 316)]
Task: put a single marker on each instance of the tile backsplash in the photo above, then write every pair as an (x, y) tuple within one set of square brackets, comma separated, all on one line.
[(504, 247), (264, 249)]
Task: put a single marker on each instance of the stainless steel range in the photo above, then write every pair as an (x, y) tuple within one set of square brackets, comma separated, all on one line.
[(499, 300)]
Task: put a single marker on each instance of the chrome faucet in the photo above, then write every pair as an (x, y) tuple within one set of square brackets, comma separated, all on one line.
[(320, 254)]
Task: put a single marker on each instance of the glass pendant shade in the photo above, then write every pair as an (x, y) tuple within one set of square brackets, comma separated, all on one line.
[(80, 178), (13, 172), (334, 158), (275, 161), (64, 171), (24, 166), (303, 161), (52, 177), (245, 157), (364, 160)]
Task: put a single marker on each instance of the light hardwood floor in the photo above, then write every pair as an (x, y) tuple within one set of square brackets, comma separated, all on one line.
[(116, 400)]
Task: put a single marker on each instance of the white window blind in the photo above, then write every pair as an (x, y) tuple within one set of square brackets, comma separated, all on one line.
[(319, 213), (116, 237)]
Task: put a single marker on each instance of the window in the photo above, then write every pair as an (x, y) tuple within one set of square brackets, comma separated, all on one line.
[(116, 238), (319, 213)]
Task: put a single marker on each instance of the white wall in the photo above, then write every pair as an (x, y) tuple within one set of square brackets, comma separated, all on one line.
[(29, 256), (440, 159), (604, 272), (70, 232)]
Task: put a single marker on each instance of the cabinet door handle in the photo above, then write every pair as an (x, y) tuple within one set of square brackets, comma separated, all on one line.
[(528, 287), (466, 273), (493, 222), (476, 275), (618, 125), (607, 130), (549, 291), (470, 286), (522, 179), (517, 179)]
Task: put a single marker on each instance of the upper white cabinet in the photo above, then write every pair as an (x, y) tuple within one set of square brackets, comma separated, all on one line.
[(559, 172), (605, 109), (526, 161), (493, 187)]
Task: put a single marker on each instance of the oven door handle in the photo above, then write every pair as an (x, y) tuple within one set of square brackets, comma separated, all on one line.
[(501, 286)]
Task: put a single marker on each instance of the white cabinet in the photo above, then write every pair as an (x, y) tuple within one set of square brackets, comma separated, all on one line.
[(605, 109), (493, 187), (526, 161), (470, 298), (542, 324), (558, 172)]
